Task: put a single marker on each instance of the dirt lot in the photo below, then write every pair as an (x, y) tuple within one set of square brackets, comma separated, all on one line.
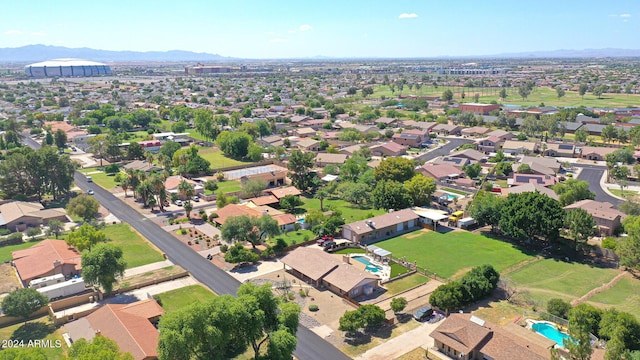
[(9, 279)]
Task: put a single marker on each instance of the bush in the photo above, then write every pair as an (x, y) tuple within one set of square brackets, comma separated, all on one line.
[(313, 307), (13, 239), (558, 307), (214, 216), (291, 295), (4, 232), (224, 248), (609, 243)]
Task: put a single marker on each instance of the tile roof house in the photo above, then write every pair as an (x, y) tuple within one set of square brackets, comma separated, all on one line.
[(388, 149), (470, 154), (172, 183), (521, 179), (20, 215), (272, 178), (488, 144), (49, 257), (308, 144), (475, 131), (446, 129), (418, 124), (380, 227), (131, 326), (440, 172), (559, 149), (349, 150), (304, 132), (142, 165), (466, 337), (324, 159), (235, 210), (595, 152), (451, 160), (412, 137), (530, 187), (503, 135), (520, 147), (321, 268), (282, 192), (607, 218)]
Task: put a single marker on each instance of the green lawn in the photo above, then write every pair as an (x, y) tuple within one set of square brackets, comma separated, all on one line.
[(137, 251), (447, 254), (104, 180), (196, 135), (5, 251), (229, 186), (397, 269), (295, 237), (349, 251), (179, 298), (35, 330), (218, 160), (455, 191), (553, 277), (405, 283), (624, 193), (624, 296), (349, 211)]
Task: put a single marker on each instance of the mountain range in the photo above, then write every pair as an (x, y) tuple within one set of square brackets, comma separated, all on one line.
[(35, 53)]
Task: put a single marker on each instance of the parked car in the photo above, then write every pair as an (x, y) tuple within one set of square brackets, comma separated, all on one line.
[(178, 202), (423, 313), (329, 244), (90, 192), (196, 198), (321, 241), (166, 203)]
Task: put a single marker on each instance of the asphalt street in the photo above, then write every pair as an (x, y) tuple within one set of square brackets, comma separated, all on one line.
[(444, 149), (310, 345), (592, 174)]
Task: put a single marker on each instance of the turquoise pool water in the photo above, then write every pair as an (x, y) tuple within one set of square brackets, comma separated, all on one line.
[(551, 332), (451, 197), (370, 267), (301, 221)]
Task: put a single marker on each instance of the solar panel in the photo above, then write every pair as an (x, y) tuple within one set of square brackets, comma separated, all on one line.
[(565, 146)]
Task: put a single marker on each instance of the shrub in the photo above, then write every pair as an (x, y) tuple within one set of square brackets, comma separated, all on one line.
[(558, 307), (302, 293), (291, 295), (4, 232), (224, 248), (313, 307), (305, 238), (213, 216), (609, 243)]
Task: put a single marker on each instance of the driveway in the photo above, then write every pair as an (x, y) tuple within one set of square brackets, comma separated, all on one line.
[(593, 174), (400, 345), (453, 143)]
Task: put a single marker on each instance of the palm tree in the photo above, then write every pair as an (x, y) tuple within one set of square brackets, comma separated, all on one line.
[(188, 206), (321, 195), (185, 189), (124, 184), (157, 182), (149, 157)]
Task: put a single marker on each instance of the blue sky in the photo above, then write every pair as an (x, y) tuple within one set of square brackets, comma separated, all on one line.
[(303, 28)]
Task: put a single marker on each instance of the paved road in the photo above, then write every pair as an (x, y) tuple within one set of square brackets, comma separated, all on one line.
[(310, 346), (445, 149), (592, 174)]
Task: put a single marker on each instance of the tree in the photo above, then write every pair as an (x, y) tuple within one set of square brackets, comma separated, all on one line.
[(254, 187), (503, 94), (420, 188), (390, 194), (351, 322), (583, 319), (356, 193), (620, 173), (524, 169), (281, 344), (572, 190), (290, 202), (239, 254), (84, 206), (582, 89), (398, 304), (237, 228), (205, 124), (581, 135), (628, 248), (531, 215), (23, 302), (55, 227), (447, 95), (609, 133), (300, 165), (60, 138), (135, 151), (366, 91), (558, 307), (186, 190), (473, 170), (85, 237), (397, 169), (99, 347), (48, 139), (598, 90), (234, 144), (524, 91), (580, 225), (485, 209), (630, 207), (560, 92), (447, 296), (188, 207), (169, 148), (103, 265)]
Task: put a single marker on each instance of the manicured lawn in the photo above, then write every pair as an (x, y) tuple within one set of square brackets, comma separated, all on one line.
[(350, 212), (349, 251), (397, 270), (36, 330), (106, 181), (405, 283), (454, 191), (229, 186), (295, 237), (179, 298), (624, 193), (195, 134), (5, 251), (137, 251), (218, 160), (561, 278), (447, 254), (624, 296)]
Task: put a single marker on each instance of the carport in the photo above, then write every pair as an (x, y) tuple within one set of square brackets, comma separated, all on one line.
[(378, 252), (429, 217)]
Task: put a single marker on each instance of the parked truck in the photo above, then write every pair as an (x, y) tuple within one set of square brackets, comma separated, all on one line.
[(69, 287), (46, 281)]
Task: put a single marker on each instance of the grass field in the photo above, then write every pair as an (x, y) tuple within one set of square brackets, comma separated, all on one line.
[(105, 181), (37, 329), (539, 95), (403, 284), (349, 251), (448, 254), (624, 296), (550, 278), (5, 251), (179, 298), (624, 193), (136, 250), (349, 211), (218, 160), (229, 186), (294, 237)]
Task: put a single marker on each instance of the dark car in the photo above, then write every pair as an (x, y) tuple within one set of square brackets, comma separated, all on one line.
[(423, 313), (329, 244)]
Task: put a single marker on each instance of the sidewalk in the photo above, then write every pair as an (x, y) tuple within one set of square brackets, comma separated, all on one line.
[(147, 268)]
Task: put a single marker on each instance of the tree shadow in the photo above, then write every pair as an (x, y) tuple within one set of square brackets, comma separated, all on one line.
[(404, 318), (32, 331), (382, 332), (358, 338)]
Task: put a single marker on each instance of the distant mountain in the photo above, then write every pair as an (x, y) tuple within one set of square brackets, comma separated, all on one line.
[(566, 53), (36, 53)]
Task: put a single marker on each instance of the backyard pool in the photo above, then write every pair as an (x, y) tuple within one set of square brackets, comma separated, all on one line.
[(365, 260), (550, 332)]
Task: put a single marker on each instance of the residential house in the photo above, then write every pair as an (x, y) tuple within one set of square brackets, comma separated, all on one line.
[(446, 129), (388, 149), (262, 201), (473, 155), (304, 132), (282, 192), (549, 163), (475, 131), (466, 337), (488, 144), (20, 215), (521, 179), (272, 178), (607, 218), (594, 129), (595, 152), (535, 167), (132, 326), (349, 150), (171, 184), (235, 210), (141, 165), (428, 126), (559, 149), (570, 126), (502, 134), (324, 159), (46, 258), (308, 145), (272, 140), (520, 147), (530, 187), (411, 138), (323, 269), (150, 145), (299, 118), (481, 109), (380, 227), (451, 160), (315, 124), (388, 122), (441, 172)]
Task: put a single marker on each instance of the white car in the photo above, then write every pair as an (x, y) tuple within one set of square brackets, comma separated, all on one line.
[(90, 192), (196, 198), (179, 202)]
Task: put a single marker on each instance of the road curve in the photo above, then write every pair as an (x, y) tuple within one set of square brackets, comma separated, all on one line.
[(310, 345), (593, 174)]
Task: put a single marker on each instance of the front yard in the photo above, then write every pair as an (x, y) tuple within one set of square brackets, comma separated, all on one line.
[(137, 251), (350, 212), (182, 297)]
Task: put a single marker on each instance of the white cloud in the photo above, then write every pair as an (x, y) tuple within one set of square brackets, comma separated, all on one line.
[(13, 32), (408, 16), (278, 40), (625, 15), (305, 27), (39, 33)]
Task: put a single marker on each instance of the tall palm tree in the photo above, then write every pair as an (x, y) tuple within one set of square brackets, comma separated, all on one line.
[(124, 184), (157, 182), (185, 189)]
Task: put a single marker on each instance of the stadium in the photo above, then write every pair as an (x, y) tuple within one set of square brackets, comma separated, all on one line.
[(67, 68)]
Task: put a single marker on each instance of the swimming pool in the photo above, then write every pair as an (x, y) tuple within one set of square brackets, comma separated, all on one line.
[(550, 332), (451, 197), (301, 221), (370, 267)]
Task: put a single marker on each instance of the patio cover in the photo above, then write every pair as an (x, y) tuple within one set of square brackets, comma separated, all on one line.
[(382, 252)]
